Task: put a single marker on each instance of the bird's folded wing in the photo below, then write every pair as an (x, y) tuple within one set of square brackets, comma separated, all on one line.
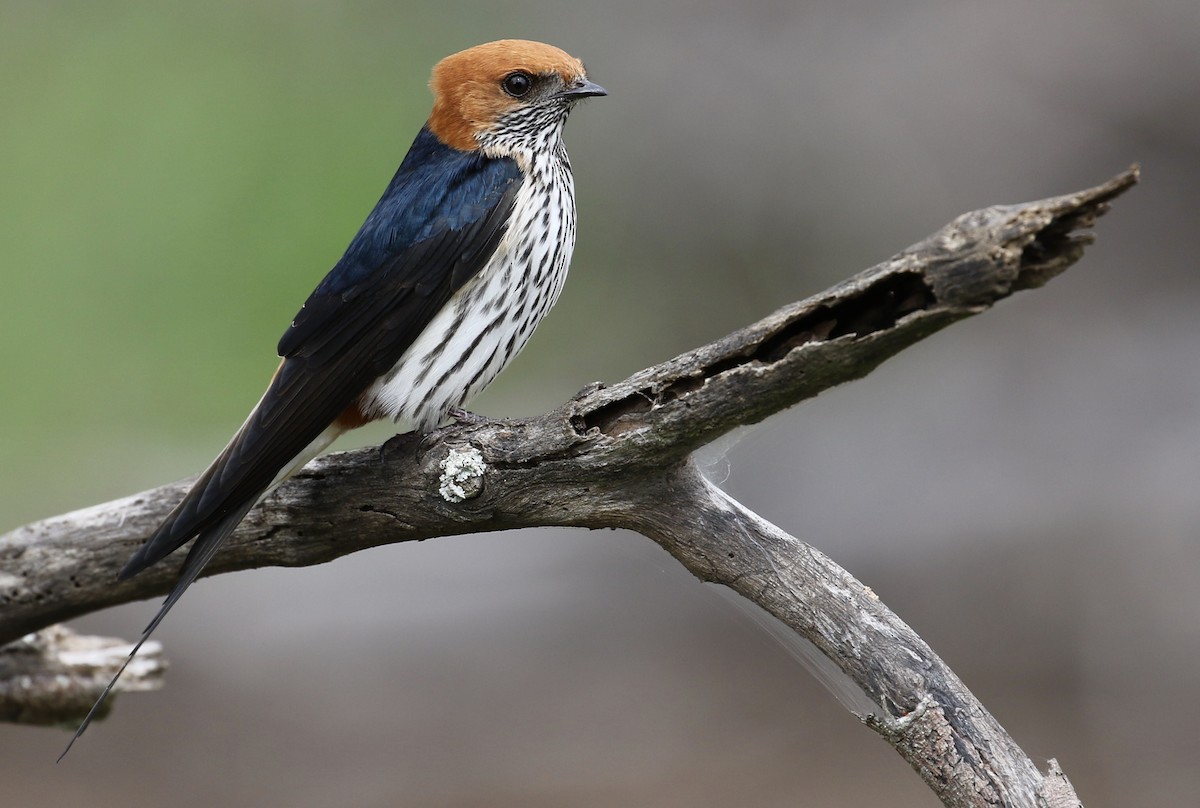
[(346, 336)]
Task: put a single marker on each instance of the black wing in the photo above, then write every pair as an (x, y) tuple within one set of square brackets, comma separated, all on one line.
[(435, 228), (343, 341)]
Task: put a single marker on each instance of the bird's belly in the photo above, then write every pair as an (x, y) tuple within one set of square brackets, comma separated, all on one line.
[(479, 330)]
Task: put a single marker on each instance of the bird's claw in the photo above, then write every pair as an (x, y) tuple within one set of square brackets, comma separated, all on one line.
[(461, 416)]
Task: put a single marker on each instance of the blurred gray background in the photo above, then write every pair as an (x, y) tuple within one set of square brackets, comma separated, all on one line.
[(175, 178)]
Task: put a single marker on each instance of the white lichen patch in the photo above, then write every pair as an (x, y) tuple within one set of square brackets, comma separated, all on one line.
[(462, 475)]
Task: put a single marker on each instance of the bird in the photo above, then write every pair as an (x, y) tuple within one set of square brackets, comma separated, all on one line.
[(461, 258)]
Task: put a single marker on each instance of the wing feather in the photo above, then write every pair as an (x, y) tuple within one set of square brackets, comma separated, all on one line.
[(352, 330), (439, 221)]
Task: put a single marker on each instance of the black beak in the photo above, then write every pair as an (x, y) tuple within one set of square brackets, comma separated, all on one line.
[(585, 89)]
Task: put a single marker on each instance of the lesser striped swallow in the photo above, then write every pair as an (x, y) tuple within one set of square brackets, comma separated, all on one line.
[(443, 284)]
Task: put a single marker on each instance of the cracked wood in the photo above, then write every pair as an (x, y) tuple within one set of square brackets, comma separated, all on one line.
[(618, 456)]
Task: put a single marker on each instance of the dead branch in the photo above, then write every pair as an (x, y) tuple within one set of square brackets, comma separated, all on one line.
[(619, 456)]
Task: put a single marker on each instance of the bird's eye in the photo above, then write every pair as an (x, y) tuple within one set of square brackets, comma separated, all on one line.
[(517, 84)]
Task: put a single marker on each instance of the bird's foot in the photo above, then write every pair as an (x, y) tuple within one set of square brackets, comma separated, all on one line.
[(458, 417), (461, 416)]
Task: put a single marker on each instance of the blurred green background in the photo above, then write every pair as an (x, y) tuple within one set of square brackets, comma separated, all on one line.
[(175, 178)]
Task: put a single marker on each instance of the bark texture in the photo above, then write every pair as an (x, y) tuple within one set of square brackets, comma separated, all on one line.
[(619, 456)]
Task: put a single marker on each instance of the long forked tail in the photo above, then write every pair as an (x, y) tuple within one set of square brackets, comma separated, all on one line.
[(207, 542), (204, 548)]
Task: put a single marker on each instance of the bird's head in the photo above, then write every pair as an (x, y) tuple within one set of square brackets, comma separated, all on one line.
[(507, 96)]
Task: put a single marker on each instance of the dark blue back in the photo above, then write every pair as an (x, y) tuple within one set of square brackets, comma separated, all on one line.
[(436, 189)]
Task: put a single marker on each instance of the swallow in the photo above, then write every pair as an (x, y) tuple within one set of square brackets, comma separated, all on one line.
[(442, 286)]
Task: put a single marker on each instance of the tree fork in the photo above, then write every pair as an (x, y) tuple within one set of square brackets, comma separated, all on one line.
[(616, 456)]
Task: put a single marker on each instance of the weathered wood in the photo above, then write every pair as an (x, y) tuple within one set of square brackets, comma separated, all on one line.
[(619, 456), (52, 676)]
